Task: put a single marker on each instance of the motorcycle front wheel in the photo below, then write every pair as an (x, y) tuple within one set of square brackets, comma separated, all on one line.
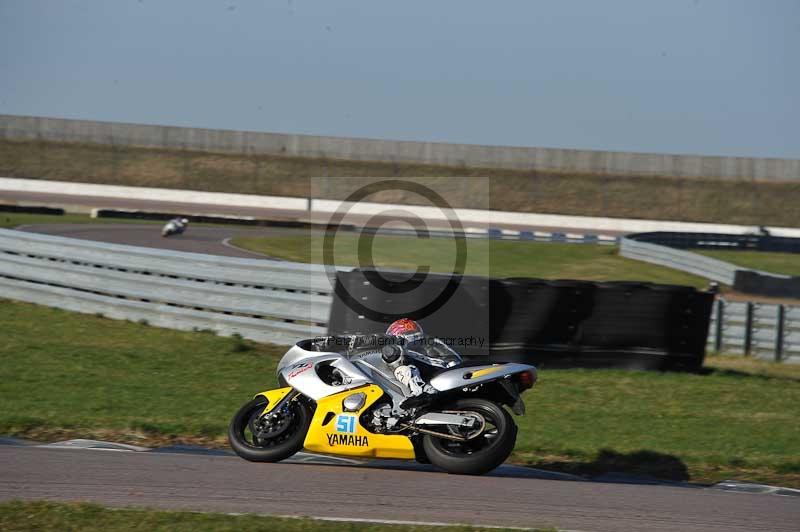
[(480, 454), (270, 438)]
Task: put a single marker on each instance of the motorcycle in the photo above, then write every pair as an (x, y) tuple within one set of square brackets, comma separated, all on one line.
[(345, 402), (176, 226)]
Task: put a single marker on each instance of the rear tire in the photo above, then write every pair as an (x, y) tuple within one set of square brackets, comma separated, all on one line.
[(285, 441), (481, 454)]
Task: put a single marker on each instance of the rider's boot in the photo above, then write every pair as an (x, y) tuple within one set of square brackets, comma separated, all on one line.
[(417, 401), (421, 393)]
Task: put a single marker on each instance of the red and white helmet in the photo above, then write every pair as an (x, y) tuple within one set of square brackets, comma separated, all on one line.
[(408, 329)]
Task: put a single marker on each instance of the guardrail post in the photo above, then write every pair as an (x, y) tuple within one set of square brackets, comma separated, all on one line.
[(719, 325), (748, 329), (779, 333)]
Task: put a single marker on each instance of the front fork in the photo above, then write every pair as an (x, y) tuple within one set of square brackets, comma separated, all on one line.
[(278, 398)]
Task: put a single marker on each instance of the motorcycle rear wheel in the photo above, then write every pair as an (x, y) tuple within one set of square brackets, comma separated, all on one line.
[(276, 442), (478, 455)]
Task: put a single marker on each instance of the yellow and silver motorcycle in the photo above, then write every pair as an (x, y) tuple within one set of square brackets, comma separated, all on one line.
[(338, 396)]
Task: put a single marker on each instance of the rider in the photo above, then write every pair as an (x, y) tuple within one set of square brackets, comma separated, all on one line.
[(412, 344), (403, 343), (175, 226), (411, 335)]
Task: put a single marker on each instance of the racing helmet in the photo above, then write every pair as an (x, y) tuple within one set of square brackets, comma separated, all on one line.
[(409, 330)]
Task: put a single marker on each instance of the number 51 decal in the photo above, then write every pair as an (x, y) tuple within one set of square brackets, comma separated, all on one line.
[(345, 423)]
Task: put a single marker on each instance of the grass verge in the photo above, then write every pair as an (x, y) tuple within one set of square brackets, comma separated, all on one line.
[(484, 257), (47, 516), (66, 375), (650, 197), (785, 263)]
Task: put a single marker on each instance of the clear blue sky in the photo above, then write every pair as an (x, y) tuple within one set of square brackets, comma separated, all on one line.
[(680, 76)]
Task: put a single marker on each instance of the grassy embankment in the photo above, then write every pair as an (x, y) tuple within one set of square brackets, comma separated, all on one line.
[(512, 259), (650, 197), (484, 257), (133, 383), (18, 516)]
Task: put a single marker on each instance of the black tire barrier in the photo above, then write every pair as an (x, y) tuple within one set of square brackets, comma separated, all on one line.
[(750, 282), (153, 215), (754, 242), (31, 209), (548, 323)]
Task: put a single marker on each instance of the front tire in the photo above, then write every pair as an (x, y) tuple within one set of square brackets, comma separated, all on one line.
[(268, 440), (480, 454)]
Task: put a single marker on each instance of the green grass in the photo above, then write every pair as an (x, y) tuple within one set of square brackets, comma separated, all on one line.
[(785, 263), (21, 516), (70, 371), (727, 423), (626, 196), (484, 257), (70, 375)]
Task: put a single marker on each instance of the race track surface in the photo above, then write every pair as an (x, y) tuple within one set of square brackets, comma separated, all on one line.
[(208, 482), (210, 240)]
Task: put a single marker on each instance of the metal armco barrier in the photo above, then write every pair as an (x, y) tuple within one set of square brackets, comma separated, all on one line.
[(191, 266), (678, 259), (759, 330), (670, 249), (264, 300)]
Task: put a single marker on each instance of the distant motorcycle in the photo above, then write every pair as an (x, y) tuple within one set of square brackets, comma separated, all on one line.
[(345, 401), (176, 226)]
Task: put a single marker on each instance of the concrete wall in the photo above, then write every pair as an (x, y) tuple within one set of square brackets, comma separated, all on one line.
[(399, 151)]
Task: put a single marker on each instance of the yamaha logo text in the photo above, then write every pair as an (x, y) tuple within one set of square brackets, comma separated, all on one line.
[(347, 439)]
